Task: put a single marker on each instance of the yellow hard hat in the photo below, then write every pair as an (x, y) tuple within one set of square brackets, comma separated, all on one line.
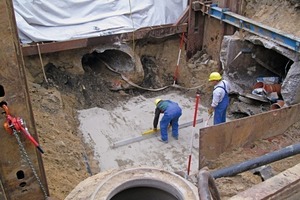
[(215, 76), (157, 101)]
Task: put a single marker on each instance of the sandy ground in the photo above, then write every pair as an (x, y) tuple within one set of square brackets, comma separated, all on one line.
[(107, 128), (67, 156)]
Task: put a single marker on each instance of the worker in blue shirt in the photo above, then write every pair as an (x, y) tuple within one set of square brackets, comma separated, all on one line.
[(220, 99), (172, 113)]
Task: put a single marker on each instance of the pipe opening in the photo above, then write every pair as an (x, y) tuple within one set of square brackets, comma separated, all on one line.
[(146, 189), (145, 193), (112, 65), (135, 184), (116, 59)]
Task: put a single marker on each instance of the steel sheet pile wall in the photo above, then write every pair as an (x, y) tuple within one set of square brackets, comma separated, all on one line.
[(224, 137), (17, 178)]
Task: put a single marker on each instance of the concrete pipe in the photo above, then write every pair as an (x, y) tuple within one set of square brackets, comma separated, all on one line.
[(120, 59), (135, 184)]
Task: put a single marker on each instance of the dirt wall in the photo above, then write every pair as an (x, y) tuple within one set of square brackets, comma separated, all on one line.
[(282, 15), (213, 37), (55, 107)]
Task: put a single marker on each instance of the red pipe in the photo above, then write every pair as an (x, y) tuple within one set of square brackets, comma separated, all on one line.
[(196, 109)]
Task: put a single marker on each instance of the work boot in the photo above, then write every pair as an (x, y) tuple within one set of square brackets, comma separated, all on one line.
[(175, 137), (161, 140)]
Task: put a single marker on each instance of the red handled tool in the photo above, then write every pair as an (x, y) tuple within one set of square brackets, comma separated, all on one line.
[(17, 124)]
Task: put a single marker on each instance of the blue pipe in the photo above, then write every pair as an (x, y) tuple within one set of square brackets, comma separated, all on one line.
[(287, 40)]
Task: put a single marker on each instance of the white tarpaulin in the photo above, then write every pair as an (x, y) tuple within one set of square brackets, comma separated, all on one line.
[(57, 20)]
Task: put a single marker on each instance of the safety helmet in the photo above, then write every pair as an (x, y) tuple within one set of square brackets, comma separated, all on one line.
[(157, 101), (215, 76)]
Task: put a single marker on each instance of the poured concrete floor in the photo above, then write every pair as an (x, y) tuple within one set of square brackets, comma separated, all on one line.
[(102, 128)]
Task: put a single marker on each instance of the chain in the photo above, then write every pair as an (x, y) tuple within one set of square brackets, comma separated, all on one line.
[(25, 155)]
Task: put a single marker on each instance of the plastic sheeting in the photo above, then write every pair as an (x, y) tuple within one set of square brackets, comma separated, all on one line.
[(57, 20)]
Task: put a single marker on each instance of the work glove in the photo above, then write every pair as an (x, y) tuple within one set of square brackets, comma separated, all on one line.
[(210, 111)]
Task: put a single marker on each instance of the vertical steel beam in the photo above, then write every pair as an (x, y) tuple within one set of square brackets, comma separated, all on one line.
[(234, 6), (195, 30), (198, 29), (17, 178)]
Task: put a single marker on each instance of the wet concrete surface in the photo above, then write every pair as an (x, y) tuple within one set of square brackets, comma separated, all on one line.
[(102, 128)]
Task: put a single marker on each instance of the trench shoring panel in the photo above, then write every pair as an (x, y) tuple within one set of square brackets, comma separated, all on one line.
[(215, 140)]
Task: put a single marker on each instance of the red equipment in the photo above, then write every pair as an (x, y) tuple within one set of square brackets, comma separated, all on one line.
[(193, 133), (17, 124)]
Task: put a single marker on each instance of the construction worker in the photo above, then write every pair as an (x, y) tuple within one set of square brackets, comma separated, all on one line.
[(220, 99), (172, 112)]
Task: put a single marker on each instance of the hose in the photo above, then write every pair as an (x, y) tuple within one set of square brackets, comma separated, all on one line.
[(207, 188), (148, 89)]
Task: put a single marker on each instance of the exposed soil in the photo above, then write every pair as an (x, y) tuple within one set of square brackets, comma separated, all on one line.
[(55, 106)]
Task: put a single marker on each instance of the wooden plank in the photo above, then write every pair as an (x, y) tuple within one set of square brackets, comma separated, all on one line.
[(147, 136), (224, 137), (143, 33)]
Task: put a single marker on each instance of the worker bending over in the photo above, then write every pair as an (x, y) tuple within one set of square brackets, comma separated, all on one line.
[(172, 112), (220, 99)]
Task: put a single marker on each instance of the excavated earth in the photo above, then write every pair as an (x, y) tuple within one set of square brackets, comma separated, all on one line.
[(55, 105)]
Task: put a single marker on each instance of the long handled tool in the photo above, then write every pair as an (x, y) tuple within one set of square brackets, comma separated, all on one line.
[(209, 117), (178, 59), (192, 136)]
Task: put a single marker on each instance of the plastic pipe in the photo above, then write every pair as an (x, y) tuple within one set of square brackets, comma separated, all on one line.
[(257, 162)]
